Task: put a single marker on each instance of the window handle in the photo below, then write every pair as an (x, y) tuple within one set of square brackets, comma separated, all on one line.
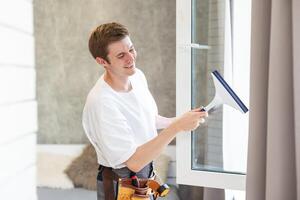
[(195, 46), (199, 46)]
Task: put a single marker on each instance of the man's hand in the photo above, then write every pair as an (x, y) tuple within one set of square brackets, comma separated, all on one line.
[(190, 120)]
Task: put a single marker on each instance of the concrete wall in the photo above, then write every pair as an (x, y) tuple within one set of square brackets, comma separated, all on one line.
[(66, 71)]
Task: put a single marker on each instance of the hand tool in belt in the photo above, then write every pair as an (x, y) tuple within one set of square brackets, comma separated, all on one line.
[(137, 185)]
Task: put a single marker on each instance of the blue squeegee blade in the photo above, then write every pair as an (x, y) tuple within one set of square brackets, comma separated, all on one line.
[(230, 91)]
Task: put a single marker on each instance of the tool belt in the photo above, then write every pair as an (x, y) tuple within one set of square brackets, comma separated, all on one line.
[(133, 188)]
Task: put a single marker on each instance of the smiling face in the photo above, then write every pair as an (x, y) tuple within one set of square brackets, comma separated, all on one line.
[(121, 58)]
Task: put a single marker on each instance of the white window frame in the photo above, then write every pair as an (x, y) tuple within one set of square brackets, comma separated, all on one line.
[(184, 173)]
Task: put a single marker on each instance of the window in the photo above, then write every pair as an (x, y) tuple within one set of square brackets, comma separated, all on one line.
[(213, 35)]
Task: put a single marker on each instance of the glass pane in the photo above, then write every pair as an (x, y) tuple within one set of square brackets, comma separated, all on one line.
[(208, 30)]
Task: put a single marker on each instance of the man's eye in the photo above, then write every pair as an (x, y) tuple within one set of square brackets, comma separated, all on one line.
[(121, 56), (131, 50)]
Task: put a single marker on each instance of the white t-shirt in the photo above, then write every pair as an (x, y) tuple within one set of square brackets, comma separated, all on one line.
[(116, 123)]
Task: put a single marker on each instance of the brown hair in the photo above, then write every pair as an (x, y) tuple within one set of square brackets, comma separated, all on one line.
[(103, 35)]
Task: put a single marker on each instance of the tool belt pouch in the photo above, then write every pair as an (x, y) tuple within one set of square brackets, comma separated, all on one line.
[(126, 191)]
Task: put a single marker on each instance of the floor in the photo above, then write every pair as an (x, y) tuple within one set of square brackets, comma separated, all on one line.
[(66, 194), (83, 194)]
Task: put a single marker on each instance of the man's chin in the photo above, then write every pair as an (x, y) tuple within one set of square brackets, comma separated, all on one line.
[(132, 71)]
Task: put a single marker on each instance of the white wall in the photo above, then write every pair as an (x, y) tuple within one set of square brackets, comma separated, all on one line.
[(18, 107)]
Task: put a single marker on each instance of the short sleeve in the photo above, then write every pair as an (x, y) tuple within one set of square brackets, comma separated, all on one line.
[(112, 133)]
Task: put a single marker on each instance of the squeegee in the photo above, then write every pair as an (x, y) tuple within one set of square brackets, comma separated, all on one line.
[(224, 95)]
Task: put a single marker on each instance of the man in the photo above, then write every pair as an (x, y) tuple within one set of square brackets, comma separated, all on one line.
[(120, 116)]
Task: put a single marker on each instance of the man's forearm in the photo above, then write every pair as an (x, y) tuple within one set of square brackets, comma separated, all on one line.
[(151, 150)]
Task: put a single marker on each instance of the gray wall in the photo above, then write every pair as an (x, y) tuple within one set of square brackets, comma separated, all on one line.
[(66, 71)]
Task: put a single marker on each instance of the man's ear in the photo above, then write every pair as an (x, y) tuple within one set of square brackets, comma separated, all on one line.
[(101, 61)]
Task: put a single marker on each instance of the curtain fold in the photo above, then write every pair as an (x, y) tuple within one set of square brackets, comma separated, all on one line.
[(273, 150), (296, 79)]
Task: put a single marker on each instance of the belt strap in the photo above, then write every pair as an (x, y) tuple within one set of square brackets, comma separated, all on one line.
[(108, 177)]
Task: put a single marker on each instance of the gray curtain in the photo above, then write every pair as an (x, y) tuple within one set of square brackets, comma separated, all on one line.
[(273, 171)]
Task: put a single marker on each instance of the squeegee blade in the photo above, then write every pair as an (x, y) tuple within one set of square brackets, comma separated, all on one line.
[(230, 91)]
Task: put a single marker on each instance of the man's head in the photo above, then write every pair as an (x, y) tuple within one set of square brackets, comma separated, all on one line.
[(111, 46), (103, 35)]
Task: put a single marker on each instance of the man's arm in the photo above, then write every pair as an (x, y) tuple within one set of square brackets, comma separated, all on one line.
[(147, 152)]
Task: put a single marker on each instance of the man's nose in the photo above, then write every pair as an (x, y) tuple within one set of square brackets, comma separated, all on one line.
[(130, 57)]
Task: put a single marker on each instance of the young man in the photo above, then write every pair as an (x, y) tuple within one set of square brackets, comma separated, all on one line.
[(120, 116)]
